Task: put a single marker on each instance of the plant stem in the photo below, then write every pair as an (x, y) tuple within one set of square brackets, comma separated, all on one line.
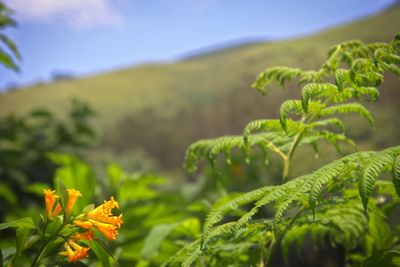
[(286, 163), (261, 264), (38, 256), (272, 247), (306, 119)]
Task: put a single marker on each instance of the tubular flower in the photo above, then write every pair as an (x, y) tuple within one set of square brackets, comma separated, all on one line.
[(102, 219), (72, 196), (88, 235), (74, 251), (50, 200)]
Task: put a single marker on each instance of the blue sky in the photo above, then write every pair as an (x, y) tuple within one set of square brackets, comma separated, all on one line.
[(84, 37)]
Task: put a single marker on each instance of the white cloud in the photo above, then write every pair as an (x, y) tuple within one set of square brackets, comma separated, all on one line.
[(78, 14)]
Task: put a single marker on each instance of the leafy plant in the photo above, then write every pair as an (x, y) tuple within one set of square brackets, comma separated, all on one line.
[(347, 201), (8, 51), (59, 227), (25, 144)]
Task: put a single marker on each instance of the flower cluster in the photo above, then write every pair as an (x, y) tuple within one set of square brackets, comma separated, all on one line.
[(100, 218)]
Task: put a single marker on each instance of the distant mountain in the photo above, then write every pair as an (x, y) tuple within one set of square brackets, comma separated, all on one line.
[(222, 47), (162, 108)]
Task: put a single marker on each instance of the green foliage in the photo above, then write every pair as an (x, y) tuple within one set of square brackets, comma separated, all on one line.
[(7, 58), (25, 144), (333, 202)]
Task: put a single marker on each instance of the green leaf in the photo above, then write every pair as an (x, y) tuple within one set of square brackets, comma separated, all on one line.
[(348, 108), (36, 188), (379, 229), (287, 107), (11, 45), (317, 90), (62, 192), (386, 258), (115, 174), (74, 173), (396, 175), (154, 239), (26, 222), (7, 61), (22, 236), (99, 249), (7, 194), (376, 164)]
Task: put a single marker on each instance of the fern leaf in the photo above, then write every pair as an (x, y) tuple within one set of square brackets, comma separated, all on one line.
[(302, 188), (348, 108), (316, 90), (391, 67), (287, 107), (216, 215), (328, 122), (279, 192), (183, 254), (261, 125), (372, 92), (341, 77), (361, 63), (376, 164), (327, 173), (396, 175), (331, 221), (210, 148), (279, 74)]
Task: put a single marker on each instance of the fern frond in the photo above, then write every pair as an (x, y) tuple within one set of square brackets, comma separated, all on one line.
[(261, 125), (378, 163), (217, 214), (278, 193), (329, 172), (386, 188), (396, 175), (210, 148), (287, 107), (391, 67), (298, 193), (317, 90), (348, 108), (328, 122), (296, 107), (181, 257), (332, 222), (341, 78), (371, 92), (333, 138), (282, 75)]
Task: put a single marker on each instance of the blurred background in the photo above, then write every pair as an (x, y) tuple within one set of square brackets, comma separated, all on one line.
[(134, 83), (148, 68)]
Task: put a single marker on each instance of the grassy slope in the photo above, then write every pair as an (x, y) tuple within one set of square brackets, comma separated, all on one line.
[(212, 86), (119, 92)]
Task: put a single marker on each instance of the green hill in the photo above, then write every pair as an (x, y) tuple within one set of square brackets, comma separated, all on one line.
[(208, 95)]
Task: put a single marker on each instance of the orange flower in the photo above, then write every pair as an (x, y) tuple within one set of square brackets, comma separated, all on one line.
[(102, 218), (50, 200), (88, 235), (83, 224), (74, 252), (108, 230), (72, 196)]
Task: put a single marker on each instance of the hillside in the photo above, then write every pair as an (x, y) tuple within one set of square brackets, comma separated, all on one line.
[(208, 95)]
